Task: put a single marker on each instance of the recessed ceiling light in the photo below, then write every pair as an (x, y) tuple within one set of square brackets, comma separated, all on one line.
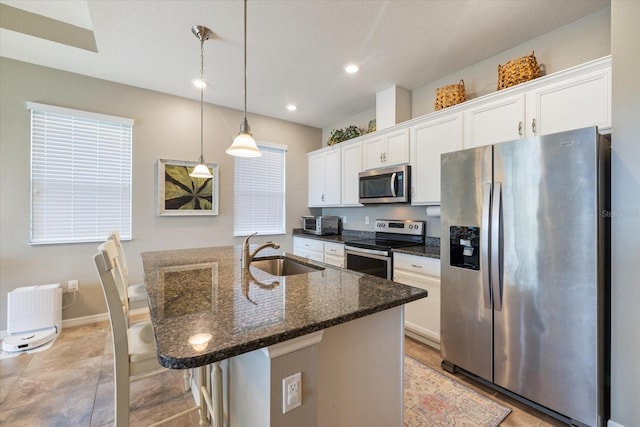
[(351, 68), (292, 107)]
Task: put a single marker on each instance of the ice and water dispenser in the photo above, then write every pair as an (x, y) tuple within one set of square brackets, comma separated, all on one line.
[(464, 247)]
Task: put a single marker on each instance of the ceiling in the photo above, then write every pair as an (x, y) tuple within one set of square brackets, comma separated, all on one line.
[(296, 48)]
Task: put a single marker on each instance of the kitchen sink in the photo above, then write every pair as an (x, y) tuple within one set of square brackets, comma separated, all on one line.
[(283, 266)]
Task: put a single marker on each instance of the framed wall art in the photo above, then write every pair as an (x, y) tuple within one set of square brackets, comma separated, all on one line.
[(181, 195)]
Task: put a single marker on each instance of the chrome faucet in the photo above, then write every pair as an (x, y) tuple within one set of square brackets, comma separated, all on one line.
[(247, 256)]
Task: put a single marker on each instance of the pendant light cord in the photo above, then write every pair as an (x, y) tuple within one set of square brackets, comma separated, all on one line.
[(202, 100), (245, 60)]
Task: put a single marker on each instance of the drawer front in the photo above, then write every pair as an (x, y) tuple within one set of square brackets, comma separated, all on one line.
[(316, 256), (300, 243), (334, 249), (336, 261), (417, 264)]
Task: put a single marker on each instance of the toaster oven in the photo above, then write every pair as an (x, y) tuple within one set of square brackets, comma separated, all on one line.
[(321, 225)]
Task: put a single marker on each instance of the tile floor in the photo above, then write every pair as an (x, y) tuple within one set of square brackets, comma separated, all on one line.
[(71, 384)]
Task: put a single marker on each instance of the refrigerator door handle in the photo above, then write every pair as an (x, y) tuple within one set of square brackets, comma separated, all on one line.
[(496, 264), (484, 244)]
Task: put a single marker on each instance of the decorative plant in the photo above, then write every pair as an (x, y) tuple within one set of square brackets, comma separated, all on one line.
[(339, 135)]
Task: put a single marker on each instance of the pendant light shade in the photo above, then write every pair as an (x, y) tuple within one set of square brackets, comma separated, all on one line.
[(201, 170), (244, 145)]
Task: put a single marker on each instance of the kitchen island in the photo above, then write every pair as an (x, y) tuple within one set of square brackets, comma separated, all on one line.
[(342, 330)]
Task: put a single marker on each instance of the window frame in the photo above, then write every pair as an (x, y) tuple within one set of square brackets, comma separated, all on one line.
[(247, 229), (98, 151)]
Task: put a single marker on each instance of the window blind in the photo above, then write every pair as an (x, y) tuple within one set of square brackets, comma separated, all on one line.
[(259, 192), (80, 175)]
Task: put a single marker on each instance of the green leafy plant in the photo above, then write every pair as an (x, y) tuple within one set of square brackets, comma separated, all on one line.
[(339, 135)]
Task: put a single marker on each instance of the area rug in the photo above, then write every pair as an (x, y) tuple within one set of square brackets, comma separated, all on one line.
[(432, 399)]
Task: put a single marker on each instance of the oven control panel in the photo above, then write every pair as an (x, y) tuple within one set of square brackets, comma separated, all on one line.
[(411, 227)]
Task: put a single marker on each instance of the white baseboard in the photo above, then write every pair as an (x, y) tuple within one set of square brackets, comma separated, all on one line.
[(423, 339), (85, 320), (613, 424), (78, 321)]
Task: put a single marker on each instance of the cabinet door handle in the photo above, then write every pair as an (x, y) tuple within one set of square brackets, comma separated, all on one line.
[(416, 266), (381, 158), (323, 197), (384, 155), (520, 128), (533, 125)]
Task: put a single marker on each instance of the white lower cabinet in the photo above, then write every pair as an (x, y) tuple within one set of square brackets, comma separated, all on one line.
[(334, 254), (317, 250), (308, 248), (421, 317)]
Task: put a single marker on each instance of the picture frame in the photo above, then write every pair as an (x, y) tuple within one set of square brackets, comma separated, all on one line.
[(181, 195)]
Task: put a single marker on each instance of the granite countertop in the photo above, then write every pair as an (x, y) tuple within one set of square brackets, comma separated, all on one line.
[(428, 251), (204, 291), (431, 248)]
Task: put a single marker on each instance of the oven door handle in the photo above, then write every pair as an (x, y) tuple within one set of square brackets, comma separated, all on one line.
[(364, 252), (394, 177)]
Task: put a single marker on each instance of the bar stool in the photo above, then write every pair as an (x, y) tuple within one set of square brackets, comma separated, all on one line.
[(134, 351), (136, 293)]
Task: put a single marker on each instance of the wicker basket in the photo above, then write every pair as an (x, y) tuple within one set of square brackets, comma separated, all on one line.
[(518, 71), (450, 95)]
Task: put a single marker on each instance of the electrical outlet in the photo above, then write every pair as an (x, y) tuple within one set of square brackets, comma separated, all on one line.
[(291, 392), (366, 220), (72, 286)]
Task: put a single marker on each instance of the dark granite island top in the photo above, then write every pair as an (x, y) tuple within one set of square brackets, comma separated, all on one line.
[(204, 291)]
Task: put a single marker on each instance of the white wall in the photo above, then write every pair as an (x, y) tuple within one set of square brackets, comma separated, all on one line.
[(361, 120), (573, 44), (625, 208), (165, 127), (356, 216), (576, 43)]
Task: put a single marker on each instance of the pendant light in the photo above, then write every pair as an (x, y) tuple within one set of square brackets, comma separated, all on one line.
[(244, 145), (202, 33)]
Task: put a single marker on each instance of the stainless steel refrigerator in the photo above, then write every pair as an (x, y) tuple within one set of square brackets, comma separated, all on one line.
[(525, 270)]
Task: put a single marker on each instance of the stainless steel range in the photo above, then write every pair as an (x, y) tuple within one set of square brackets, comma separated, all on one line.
[(374, 256)]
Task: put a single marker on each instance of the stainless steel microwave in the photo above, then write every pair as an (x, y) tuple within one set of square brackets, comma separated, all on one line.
[(388, 185)]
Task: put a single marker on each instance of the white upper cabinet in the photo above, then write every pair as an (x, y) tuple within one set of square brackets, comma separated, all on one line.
[(571, 99), (351, 167), (324, 177), (387, 149), (581, 101), (428, 141), (497, 121)]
